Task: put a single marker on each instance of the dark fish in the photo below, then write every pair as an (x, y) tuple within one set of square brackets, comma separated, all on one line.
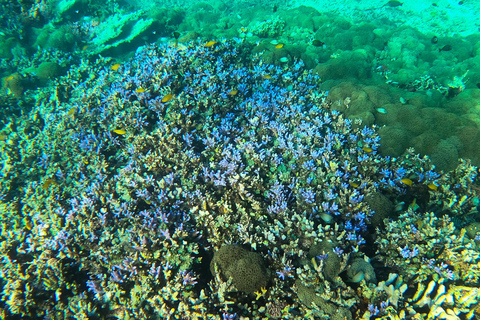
[(275, 8), (317, 43), (478, 85), (176, 35), (446, 47), (393, 3), (434, 39)]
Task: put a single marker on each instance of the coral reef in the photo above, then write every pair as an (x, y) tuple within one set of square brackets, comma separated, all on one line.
[(199, 182)]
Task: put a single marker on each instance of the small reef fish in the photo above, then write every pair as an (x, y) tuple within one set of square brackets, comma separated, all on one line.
[(353, 184), (267, 77), (413, 206), (317, 43), (407, 181), (432, 186), (71, 113), (446, 47), (382, 110), (367, 149), (140, 90), (279, 46), (233, 92), (210, 44), (167, 98), (393, 3), (176, 35), (48, 183), (115, 67), (120, 131)]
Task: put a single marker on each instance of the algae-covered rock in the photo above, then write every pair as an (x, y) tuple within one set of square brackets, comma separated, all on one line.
[(245, 268)]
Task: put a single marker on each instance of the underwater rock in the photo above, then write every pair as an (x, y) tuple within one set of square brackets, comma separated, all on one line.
[(246, 268)]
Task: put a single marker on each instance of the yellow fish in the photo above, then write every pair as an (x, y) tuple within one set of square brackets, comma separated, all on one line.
[(353, 184), (210, 44), (233, 92), (71, 112), (407, 181), (115, 67), (367, 149), (140, 90), (49, 182), (120, 131), (279, 46), (167, 98), (267, 77), (432, 186)]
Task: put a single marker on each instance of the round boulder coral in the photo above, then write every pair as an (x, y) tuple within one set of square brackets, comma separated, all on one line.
[(245, 268)]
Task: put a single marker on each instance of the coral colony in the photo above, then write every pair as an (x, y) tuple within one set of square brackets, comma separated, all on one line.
[(198, 182)]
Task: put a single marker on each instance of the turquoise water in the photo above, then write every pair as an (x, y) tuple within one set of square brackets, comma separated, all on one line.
[(239, 160)]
